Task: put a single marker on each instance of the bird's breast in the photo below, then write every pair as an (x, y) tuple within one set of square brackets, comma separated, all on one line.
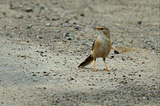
[(102, 47)]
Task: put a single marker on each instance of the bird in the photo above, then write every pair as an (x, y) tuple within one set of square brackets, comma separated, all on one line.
[(101, 47)]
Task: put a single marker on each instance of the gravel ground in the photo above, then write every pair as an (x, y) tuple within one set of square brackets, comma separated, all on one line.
[(42, 43)]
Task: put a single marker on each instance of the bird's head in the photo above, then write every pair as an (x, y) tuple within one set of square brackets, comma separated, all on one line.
[(103, 30)]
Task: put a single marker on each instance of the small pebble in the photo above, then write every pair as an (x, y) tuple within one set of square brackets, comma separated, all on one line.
[(46, 74), (34, 75), (19, 17), (82, 15), (29, 26), (77, 27), (42, 54), (39, 37), (139, 22), (52, 95), (55, 18), (125, 82), (130, 74), (35, 80), (54, 74), (66, 34), (91, 84), (69, 38), (28, 9), (57, 31), (72, 78), (116, 52), (111, 57), (48, 24), (121, 82)]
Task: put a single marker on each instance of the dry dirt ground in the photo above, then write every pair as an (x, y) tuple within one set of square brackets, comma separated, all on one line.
[(43, 41)]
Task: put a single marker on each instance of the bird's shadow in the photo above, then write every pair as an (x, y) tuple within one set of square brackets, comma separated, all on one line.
[(92, 69)]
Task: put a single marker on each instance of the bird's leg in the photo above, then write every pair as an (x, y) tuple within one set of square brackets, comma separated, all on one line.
[(106, 65), (95, 64)]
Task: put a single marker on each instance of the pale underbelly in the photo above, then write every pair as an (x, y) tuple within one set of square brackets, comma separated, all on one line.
[(102, 51)]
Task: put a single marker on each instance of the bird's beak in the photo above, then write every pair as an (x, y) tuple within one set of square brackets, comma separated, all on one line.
[(97, 29)]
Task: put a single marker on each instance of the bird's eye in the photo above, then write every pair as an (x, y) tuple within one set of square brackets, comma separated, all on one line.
[(102, 28)]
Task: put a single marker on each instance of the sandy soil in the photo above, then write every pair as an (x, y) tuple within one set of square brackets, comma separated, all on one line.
[(42, 42)]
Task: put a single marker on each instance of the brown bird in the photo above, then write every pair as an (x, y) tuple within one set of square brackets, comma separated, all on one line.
[(100, 48)]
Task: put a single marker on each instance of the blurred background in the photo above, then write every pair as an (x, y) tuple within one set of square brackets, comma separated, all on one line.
[(132, 23), (42, 42)]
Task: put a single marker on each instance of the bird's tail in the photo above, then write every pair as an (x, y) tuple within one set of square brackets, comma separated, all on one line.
[(87, 61)]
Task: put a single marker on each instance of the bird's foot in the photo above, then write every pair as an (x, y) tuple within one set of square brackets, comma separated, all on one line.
[(106, 69), (95, 70)]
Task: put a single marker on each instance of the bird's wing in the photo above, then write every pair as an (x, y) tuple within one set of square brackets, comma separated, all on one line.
[(93, 45)]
